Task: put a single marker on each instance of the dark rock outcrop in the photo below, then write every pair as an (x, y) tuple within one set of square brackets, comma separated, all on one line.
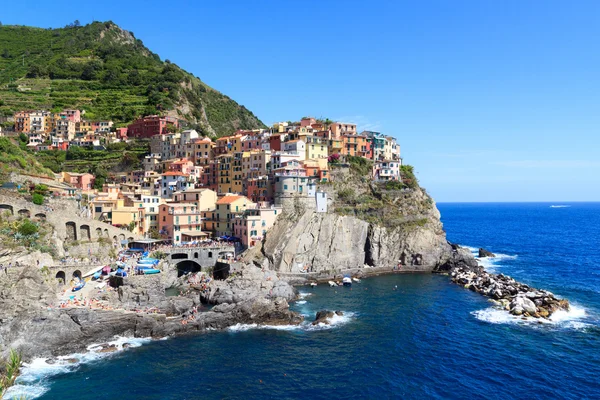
[(324, 316), (484, 253)]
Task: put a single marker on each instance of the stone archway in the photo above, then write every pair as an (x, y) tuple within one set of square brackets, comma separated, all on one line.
[(84, 231), (106, 232), (71, 230), (187, 266), (99, 232), (77, 274), (24, 213), (7, 207), (121, 237), (196, 255), (61, 277), (41, 216), (179, 256)]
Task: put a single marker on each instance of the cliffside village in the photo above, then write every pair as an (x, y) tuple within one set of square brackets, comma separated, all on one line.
[(192, 188)]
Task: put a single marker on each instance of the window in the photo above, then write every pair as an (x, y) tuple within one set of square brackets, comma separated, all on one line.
[(284, 187)]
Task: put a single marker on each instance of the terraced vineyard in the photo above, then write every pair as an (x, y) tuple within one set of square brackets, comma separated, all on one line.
[(108, 73)]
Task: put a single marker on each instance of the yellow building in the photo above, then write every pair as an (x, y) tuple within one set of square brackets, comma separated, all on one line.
[(237, 182), (316, 148), (224, 177), (227, 208), (203, 199)]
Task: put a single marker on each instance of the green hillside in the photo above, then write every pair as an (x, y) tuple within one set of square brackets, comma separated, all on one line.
[(15, 158), (106, 71)]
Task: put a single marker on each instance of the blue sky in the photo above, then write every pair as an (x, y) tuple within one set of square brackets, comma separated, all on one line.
[(490, 100)]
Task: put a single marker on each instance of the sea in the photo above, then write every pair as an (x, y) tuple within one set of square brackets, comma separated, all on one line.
[(401, 336)]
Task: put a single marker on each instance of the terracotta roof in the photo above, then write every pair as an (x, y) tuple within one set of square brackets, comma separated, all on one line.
[(228, 199), (173, 173)]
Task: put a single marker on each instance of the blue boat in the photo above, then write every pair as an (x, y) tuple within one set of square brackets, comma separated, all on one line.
[(150, 271), (79, 286), (97, 275), (150, 262)]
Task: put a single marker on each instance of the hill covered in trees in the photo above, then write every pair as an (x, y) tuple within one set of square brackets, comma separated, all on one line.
[(106, 71)]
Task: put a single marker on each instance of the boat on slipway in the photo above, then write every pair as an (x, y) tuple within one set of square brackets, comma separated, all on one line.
[(347, 281)]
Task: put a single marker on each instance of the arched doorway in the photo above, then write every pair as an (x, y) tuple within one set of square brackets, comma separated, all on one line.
[(61, 277), (40, 216), (84, 230), (77, 274), (7, 207), (99, 232), (71, 230), (24, 213), (187, 266)]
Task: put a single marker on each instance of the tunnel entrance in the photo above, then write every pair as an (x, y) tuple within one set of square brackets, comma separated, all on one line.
[(187, 266), (61, 277)]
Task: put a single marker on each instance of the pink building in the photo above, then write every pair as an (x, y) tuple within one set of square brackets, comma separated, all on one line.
[(184, 166), (252, 226), (80, 181), (308, 121), (72, 115)]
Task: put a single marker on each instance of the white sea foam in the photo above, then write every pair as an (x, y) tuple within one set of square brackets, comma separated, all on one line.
[(301, 302), (560, 206), (561, 319), (335, 321), (490, 264), (33, 381), (303, 295)]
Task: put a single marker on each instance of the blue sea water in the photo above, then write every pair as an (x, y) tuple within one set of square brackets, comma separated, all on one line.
[(426, 339)]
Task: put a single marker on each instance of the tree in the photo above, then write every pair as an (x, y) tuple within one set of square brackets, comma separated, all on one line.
[(131, 226), (76, 23), (37, 71)]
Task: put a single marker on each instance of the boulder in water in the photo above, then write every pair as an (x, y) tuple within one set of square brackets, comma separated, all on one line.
[(484, 253), (323, 317)]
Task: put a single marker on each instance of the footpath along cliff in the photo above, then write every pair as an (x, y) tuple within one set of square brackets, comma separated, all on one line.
[(369, 227)]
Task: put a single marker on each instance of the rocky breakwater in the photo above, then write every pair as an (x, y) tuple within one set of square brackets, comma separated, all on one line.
[(517, 298), (32, 322)]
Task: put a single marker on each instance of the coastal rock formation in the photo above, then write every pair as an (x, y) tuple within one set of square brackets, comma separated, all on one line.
[(32, 324), (484, 253), (329, 243), (515, 297), (324, 316)]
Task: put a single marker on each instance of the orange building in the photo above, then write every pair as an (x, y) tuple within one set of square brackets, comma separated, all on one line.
[(356, 145)]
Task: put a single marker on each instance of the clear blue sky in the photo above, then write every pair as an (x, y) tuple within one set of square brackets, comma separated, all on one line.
[(490, 100)]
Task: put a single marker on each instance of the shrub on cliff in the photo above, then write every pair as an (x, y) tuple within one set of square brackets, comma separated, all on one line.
[(38, 199), (10, 371), (27, 228), (407, 173)]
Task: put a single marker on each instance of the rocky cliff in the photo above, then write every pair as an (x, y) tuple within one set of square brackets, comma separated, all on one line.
[(367, 225), (409, 233), (32, 323)]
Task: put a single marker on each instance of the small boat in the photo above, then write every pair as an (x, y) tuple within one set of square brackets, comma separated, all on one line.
[(148, 262), (150, 271), (79, 286), (120, 272), (92, 271), (97, 275), (332, 283), (356, 280), (347, 281), (313, 284)]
